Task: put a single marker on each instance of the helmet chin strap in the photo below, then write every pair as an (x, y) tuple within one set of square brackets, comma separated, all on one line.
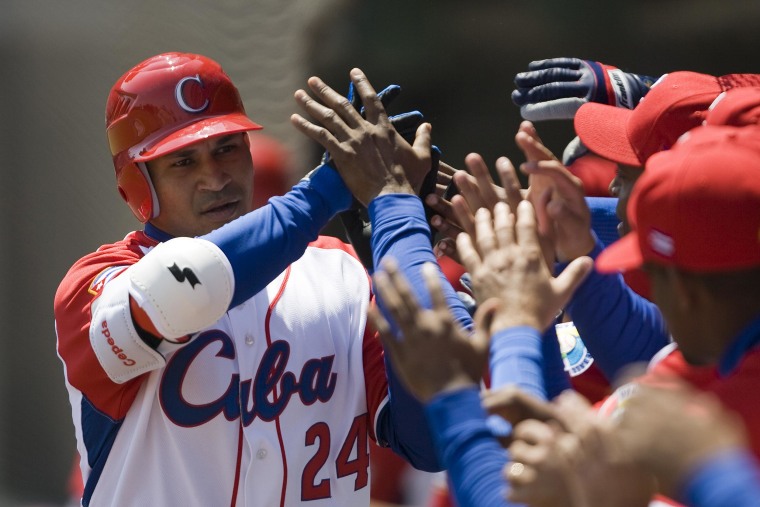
[(154, 198)]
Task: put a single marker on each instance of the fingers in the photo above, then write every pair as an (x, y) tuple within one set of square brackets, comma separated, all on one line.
[(448, 247), (387, 94), (531, 440), (468, 189), (422, 139), (337, 110), (463, 214), (530, 144), (483, 181), (446, 169), (541, 206), (510, 182), (378, 322), (526, 230), (503, 224), (547, 73), (373, 107), (445, 226), (399, 351), (557, 89), (433, 284), (529, 128), (314, 132), (467, 253), (515, 405), (396, 293), (567, 62), (406, 124), (383, 329), (485, 237), (565, 183)]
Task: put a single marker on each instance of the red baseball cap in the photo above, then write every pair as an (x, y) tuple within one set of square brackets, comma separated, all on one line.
[(696, 207), (739, 107), (676, 103)]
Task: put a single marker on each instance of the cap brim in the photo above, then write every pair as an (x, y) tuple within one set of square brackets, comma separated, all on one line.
[(603, 130), (622, 255), (203, 129)]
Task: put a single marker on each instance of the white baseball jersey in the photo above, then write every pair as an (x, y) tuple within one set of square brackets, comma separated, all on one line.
[(272, 405)]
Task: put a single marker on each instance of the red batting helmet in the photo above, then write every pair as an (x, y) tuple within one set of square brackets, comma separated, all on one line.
[(161, 105)]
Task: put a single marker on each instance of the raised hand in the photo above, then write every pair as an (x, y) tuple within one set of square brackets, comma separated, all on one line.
[(432, 354), (371, 157)]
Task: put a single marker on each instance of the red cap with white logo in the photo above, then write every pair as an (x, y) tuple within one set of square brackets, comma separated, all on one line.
[(696, 207)]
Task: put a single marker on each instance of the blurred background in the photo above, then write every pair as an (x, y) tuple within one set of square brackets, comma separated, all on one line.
[(455, 61)]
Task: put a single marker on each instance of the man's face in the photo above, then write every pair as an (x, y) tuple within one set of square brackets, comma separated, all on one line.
[(203, 186), (621, 187)]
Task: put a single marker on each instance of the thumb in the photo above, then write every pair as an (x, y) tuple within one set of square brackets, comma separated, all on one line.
[(422, 139), (565, 284)]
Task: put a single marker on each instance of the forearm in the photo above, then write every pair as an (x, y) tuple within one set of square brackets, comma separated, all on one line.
[(516, 358), (399, 230), (262, 243), (466, 448), (618, 326)]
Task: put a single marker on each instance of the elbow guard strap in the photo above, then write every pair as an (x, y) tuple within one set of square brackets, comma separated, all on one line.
[(183, 285)]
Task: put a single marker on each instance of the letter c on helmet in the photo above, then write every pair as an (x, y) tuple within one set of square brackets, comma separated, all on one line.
[(181, 99)]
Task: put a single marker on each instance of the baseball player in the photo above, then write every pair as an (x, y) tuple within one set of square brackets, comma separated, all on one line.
[(221, 356)]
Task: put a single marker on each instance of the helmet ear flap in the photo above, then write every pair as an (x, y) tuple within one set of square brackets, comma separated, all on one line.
[(136, 190)]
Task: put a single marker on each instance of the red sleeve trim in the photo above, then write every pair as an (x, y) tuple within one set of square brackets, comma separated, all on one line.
[(71, 306)]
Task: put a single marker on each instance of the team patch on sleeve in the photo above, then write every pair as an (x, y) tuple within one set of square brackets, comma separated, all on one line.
[(575, 355), (102, 278)]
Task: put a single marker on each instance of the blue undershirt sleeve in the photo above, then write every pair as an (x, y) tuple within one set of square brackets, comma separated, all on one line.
[(473, 458), (262, 243), (730, 478), (516, 358), (399, 230), (618, 326)]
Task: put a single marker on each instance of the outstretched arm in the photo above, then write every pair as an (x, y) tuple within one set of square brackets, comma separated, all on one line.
[(377, 164)]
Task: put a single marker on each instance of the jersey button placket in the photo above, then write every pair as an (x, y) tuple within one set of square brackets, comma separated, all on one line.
[(261, 453)]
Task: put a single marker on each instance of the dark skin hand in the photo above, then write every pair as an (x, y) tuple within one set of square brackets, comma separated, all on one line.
[(433, 354), (371, 157)]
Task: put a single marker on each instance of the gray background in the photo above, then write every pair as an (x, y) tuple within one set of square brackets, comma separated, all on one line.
[(454, 59)]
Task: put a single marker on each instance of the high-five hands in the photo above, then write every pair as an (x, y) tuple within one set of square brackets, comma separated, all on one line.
[(371, 157)]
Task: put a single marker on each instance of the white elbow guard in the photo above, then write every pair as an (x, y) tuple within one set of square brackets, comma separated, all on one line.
[(114, 339), (183, 285)]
